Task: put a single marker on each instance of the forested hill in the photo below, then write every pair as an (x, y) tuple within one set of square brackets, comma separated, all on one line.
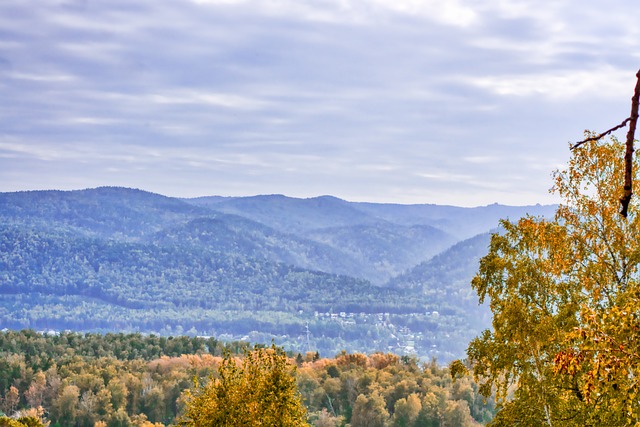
[(319, 273)]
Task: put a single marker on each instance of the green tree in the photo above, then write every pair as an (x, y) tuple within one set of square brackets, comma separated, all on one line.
[(153, 404), (565, 300), (434, 404), (258, 390), (369, 411), (65, 408), (119, 393), (119, 419), (406, 411)]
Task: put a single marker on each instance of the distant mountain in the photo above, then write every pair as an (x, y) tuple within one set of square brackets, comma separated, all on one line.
[(460, 222), (455, 266), (387, 239), (290, 214), (143, 275), (319, 273), (237, 235), (388, 249), (116, 212)]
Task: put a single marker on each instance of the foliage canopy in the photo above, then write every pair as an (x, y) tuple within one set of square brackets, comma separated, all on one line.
[(259, 390), (565, 300)]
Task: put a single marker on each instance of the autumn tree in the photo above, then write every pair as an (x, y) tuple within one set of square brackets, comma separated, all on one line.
[(258, 390), (35, 394), (406, 411), (369, 411), (325, 419), (564, 294), (65, 409), (11, 400), (10, 422)]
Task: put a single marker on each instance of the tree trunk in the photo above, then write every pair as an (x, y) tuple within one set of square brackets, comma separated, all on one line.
[(628, 156)]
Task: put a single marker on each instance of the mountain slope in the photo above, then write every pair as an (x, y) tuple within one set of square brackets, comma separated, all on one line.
[(233, 234), (137, 275), (388, 249), (302, 271), (447, 276)]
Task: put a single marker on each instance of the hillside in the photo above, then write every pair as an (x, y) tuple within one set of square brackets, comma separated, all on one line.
[(321, 273)]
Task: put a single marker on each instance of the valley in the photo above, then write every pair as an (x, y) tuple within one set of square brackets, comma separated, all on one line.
[(319, 274)]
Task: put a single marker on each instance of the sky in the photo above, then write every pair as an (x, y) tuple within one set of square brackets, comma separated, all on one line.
[(459, 102)]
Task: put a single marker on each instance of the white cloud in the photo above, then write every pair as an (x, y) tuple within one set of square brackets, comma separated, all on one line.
[(93, 121), (600, 83), (178, 97), (42, 77), (482, 159)]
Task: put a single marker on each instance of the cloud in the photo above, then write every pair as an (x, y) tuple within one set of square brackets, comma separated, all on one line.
[(42, 77), (401, 100), (607, 82), (452, 12), (193, 97)]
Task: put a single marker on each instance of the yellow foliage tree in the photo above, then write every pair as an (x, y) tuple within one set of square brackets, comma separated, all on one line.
[(258, 390), (565, 297)]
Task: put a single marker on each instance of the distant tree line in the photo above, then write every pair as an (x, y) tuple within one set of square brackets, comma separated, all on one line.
[(114, 380)]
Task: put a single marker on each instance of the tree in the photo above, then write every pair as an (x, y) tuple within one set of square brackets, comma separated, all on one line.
[(325, 419), (258, 390), (35, 393), (87, 409), (632, 120), (11, 400), (119, 393), (369, 411), (564, 293), (65, 409), (119, 419), (406, 411), (10, 422), (31, 421), (457, 414)]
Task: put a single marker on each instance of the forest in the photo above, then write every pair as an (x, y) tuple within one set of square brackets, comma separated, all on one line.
[(72, 379), (317, 273)]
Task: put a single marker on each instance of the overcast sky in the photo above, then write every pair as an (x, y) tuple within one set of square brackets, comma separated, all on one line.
[(462, 102)]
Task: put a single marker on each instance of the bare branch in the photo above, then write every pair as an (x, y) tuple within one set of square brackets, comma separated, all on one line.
[(628, 156), (602, 135)]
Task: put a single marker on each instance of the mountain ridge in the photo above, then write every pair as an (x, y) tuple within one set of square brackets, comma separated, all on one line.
[(360, 277)]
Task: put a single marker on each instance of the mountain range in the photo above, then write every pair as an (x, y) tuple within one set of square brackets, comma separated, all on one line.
[(312, 274)]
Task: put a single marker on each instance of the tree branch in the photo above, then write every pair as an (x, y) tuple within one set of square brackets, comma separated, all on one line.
[(603, 134), (628, 156)]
